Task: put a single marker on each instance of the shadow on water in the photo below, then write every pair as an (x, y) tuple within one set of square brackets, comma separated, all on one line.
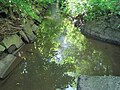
[(37, 73), (60, 55)]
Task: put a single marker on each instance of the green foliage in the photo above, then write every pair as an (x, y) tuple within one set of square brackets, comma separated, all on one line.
[(92, 8), (49, 31), (47, 34), (24, 8)]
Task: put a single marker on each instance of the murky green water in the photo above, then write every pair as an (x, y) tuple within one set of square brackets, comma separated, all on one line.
[(59, 56)]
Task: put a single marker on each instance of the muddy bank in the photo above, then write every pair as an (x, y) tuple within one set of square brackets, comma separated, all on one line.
[(104, 28)]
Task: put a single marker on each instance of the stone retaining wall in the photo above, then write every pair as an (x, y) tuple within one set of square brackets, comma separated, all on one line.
[(11, 44)]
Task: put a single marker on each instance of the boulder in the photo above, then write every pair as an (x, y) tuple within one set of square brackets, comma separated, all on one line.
[(12, 40), (5, 65), (98, 83)]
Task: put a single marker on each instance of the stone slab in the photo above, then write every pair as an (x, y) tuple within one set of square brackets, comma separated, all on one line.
[(35, 28), (98, 83), (29, 32), (23, 35), (5, 64), (17, 50), (12, 49), (2, 55), (2, 48), (13, 39)]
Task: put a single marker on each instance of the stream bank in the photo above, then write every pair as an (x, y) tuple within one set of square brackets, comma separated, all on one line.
[(104, 28), (16, 31), (59, 55), (12, 38)]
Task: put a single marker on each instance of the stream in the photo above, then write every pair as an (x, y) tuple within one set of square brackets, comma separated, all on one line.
[(59, 55)]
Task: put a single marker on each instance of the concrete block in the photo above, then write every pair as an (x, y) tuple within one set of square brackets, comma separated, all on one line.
[(5, 65), (12, 49), (29, 32), (2, 55), (23, 35), (98, 83), (13, 39), (2, 48), (35, 28)]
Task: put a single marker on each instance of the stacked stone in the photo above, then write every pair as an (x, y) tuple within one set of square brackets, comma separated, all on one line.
[(11, 44)]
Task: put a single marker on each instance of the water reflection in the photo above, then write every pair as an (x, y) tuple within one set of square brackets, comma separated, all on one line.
[(59, 55), (37, 73), (111, 53), (65, 45)]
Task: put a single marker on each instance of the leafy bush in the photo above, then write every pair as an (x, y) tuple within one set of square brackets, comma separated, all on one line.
[(24, 8), (92, 8)]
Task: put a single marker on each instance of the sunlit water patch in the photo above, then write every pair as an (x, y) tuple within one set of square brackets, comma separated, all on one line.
[(61, 54)]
